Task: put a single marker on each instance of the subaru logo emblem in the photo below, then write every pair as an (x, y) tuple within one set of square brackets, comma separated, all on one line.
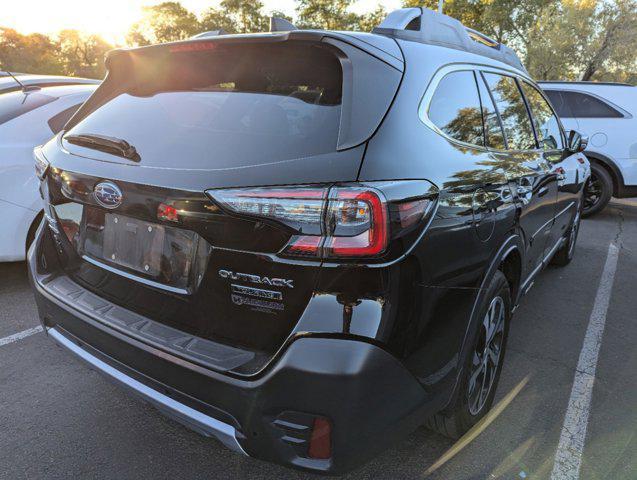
[(108, 195)]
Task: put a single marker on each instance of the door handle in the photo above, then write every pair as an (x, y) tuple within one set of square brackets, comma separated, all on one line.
[(542, 191)]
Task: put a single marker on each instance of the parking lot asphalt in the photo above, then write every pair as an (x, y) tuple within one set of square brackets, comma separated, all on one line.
[(58, 419)]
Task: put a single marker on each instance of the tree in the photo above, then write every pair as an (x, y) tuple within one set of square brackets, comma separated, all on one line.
[(565, 39), (504, 20), (236, 16), (34, 53), (326, 14), (584, 40), (368, 21), (164, 22), (82, 55), (613, 40)]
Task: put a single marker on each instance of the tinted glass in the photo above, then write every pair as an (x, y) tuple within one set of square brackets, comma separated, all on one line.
[(492, 127), (513, 112), (586, 106), (227, 107), (546, 124), (57, 122), (455, 108), (558, 101), (14, 104)]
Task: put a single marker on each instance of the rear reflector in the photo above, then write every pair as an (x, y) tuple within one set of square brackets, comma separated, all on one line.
[(321, 441)]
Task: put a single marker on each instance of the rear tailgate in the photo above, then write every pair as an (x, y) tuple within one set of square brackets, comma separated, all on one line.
[(144, 235)]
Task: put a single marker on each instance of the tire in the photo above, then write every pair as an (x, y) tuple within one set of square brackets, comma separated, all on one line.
[(598, 190), (565, 254), (471, 403)]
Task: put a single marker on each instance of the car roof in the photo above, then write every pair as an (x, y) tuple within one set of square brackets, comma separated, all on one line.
[(7, 83), (584, 83), (65, 90)]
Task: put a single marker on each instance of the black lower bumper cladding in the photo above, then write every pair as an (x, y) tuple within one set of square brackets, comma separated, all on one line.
[(367, 395)]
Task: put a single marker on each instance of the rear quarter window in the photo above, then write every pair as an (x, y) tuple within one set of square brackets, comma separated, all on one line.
[(455, 108), (581, 105)]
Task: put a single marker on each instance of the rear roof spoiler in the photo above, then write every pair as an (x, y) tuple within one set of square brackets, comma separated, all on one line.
[(426, 26)]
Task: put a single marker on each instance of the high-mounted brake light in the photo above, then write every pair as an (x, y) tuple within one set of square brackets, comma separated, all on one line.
[(345, 221), (191, 47)]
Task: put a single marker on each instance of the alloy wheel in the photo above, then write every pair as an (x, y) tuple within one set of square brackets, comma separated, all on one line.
[(593, 192), (486, 356), (573, 236)]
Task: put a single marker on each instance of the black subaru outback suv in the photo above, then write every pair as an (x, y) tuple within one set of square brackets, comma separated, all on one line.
[(306, 243)]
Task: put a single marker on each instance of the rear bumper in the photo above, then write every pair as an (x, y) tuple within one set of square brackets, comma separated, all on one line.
[(198, 421), (369, 397)]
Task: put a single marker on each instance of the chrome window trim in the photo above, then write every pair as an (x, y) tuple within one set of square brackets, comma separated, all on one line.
[(130, 276), (425, 102)]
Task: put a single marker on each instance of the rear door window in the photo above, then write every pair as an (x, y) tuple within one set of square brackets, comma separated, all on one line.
[(228, 106), (546, 124), (492, 124), (455, 108), (513, 112)]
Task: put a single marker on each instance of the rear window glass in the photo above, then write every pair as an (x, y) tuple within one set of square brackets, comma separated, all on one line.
[(455, 108), (14, 104), (581, 105), (57, 122), (227, 106)]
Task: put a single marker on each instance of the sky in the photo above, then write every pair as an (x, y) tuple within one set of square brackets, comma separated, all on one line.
[(111, 19)]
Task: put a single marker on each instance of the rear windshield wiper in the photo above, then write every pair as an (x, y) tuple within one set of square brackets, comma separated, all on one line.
[(113, 145)]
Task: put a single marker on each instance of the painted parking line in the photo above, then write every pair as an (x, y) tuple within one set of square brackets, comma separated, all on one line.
[(568, 457), (20, 335)]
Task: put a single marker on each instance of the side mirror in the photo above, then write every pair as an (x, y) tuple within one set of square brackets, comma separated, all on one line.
[(577, 142)]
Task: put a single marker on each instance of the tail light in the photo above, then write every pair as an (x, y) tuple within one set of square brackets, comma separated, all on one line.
[(41, 163), (345, 221)]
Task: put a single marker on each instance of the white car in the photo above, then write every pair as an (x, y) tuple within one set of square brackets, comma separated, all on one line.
[(605, 112), (9, 81), (28, 119)]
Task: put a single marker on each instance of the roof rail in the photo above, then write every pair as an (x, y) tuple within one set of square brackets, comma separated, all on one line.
[(278, 24), (426, 26)]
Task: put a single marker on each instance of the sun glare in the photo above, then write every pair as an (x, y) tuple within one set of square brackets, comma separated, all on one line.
[(111, 20)]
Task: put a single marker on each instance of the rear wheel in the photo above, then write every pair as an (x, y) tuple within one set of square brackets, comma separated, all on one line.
[(565, 254), (483, 365), (598, 190)]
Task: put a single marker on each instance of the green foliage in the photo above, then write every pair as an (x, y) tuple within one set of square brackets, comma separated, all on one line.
[(82, 55), (28, 53), (164, 22), (370, 20), (236, 16), (326, 14), (564, 39), (72, 53)]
